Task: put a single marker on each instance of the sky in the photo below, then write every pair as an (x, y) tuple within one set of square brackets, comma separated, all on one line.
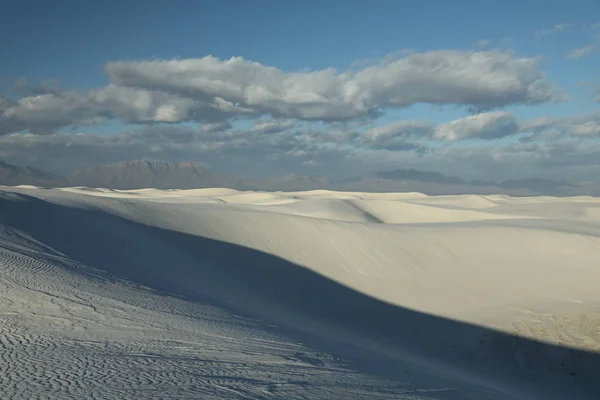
[(480, 89)]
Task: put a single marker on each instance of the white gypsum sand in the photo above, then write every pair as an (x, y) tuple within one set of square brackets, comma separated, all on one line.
[(216, 293)]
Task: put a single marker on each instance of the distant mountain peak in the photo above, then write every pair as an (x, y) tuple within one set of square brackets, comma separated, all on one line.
[(14, 175), (416, 175), (148, 163), (138, 174)]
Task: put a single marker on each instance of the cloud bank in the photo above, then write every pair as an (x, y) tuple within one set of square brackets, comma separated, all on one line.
[(212, 90), (305, 121), (550, 147)]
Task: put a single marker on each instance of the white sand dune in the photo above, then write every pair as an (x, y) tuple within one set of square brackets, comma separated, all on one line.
[(215, 293)]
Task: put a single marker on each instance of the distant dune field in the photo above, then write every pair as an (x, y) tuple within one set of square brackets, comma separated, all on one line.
[(224, 294)]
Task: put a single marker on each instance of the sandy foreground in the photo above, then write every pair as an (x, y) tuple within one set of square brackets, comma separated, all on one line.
[(221, 294)]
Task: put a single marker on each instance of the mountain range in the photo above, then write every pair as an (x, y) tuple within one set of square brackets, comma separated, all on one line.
[(13, 175), (152, 174), (141, 174)]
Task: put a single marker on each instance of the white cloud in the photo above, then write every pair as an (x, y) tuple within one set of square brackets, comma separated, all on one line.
[(485, 126), (273, 126), (216, 126), (483, 43), (556, 28), (585, 125), (402, 135), (478, 79), (491, 125), (210, 90), (580, 52), (402, 129), (538, 124), (590, 128), (45, 112)]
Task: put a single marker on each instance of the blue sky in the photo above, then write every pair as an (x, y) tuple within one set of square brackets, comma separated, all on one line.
[(73, 41)]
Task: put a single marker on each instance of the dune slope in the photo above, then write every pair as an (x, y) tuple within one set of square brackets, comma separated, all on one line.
[(227, 294)]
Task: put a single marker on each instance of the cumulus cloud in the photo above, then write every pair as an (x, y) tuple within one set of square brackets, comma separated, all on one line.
[(478, 79), (45, 113), (210, 90)]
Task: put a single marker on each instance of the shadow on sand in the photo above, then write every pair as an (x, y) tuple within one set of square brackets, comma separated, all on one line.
[(299, 300)]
